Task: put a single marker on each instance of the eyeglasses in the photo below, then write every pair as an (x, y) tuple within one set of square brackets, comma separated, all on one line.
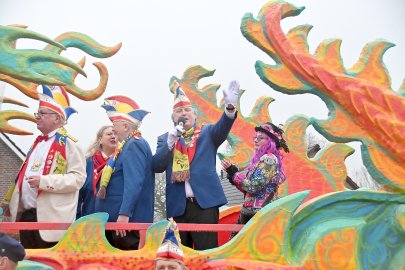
[(259, 138), (40, 114)]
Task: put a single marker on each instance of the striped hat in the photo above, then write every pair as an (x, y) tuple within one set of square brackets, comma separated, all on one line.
[(121, 108), (180, 99), (56, 99), (170, 249)]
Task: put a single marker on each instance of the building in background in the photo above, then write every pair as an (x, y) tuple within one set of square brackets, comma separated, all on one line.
[(233, 195), (11, 158)]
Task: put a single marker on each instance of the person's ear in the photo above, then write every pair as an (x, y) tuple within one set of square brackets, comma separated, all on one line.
[(173, 119), (3, 263), (59, 119)]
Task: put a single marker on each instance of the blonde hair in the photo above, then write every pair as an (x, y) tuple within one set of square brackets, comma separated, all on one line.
[(95, 145)]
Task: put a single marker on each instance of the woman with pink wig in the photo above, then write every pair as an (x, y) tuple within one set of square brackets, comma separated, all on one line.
[(260, 180)]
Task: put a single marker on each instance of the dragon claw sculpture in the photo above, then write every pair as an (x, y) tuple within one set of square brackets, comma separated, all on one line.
[(17, 63), (25, 69), (358, 98), (5, 116)]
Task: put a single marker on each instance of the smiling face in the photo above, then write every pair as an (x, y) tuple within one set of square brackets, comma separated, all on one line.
[(259, 139), (108, 141), (188, 113), (48, 120)]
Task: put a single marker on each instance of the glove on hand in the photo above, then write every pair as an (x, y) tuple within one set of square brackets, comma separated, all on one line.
[(231, 170), (231, 95), (174, 135)]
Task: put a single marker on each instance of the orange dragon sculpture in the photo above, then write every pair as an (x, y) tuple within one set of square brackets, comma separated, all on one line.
[(362, 105), (325, 228), (347, 230)]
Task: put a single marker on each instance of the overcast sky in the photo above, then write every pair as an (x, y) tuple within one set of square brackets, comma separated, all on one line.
[(162, 38)]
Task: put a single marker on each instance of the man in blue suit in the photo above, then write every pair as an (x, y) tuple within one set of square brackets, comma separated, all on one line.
[(188, 155), (126, 187)]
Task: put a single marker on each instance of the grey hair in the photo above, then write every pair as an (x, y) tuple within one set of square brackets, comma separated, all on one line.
[(134, 126), (195, 112), (62, 120)]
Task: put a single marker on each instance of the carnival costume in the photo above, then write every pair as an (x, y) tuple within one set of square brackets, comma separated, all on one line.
[(197, 149), (94, 168), (259, 182), (63, 171), (127, 177)]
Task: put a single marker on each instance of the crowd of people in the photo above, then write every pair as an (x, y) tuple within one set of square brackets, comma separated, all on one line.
[(59, 183)]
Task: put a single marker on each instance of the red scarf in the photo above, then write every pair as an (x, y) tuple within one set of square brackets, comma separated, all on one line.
[(99, 162)]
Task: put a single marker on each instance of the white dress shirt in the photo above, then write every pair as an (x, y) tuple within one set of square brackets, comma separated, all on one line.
[(39, 154)]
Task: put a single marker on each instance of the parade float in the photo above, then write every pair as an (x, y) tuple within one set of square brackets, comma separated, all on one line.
[(317, 224)]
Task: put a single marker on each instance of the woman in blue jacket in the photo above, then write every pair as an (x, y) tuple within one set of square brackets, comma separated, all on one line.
[(96, 157)]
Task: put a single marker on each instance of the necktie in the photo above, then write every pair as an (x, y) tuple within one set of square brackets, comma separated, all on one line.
[(41, 138)]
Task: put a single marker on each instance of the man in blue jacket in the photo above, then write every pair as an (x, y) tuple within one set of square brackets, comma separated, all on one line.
[(188, 155), (126, 187)]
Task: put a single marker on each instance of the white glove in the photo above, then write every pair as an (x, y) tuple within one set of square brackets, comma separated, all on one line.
[(231, 95), (174, 135)]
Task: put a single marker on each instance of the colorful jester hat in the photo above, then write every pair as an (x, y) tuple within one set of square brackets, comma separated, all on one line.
[(170, 249), (121, 108), (56, 99), (180, 98), (275, 133)]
